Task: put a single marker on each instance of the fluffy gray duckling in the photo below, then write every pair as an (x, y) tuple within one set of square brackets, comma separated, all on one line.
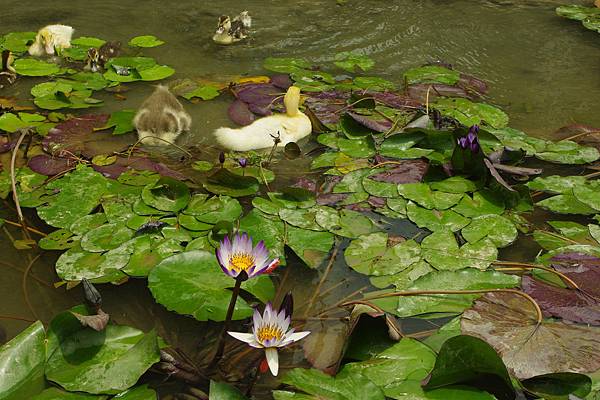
[(161, 116)]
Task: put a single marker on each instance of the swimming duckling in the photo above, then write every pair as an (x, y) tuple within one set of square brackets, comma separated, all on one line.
[(161, 116), (97, 58), (231, 31), (289, 127), (8, 75), (51, 37)]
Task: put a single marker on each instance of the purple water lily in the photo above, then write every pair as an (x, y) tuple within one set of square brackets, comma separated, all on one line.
[(470, 141), (238, 255), (243, 162), (270, 332)]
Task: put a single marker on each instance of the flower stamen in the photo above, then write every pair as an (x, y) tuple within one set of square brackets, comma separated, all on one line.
[(241, 262), (269, 332)]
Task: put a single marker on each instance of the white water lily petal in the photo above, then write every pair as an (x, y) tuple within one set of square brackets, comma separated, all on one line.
[(244, 337), (294, 337), (272, 360)]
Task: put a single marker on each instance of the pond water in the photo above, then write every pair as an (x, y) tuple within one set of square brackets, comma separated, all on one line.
[(544, 71)]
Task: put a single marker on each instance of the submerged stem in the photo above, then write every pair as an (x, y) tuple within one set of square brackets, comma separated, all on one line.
[(234, 296), (13, 182)]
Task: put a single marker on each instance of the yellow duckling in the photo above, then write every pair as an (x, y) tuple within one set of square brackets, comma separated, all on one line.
[(231, 31), (161, 118), (8, 75), (51, 38), (289, 127)]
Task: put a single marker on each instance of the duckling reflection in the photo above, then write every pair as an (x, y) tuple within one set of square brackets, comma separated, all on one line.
[(51, 38), (8, 75), (161, 118), (231, 31)]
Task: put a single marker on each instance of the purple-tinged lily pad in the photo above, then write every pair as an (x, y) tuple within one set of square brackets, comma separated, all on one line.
[(282, 81), (328, 106), (405, 171), (69, 137), (472, 84), (581, 268), (258, 94), (376, 123), (418, 92), (7, 146), (239, 113), (331, 199), (377, 202), (393, 100), (306, 183), (47, 165)]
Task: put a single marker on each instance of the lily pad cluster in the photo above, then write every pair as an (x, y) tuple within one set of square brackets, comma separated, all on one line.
[(589, 16), (80, 362)]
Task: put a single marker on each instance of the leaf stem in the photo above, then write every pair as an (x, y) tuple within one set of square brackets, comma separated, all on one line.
[(229, 315)]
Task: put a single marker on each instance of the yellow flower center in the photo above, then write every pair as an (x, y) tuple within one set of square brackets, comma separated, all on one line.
[(241, 262), (269, 332)]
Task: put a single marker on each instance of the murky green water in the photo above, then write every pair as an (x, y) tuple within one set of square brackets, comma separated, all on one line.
[(544, 71)]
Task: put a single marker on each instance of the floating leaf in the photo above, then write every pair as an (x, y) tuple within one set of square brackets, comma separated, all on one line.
[(349, 61), (568, 152), (54, 393), (166, 194), (469, 113), (435, 220), (556, 184), (432, 74), (17, 42), (466, 279), (33, 67), (22, 363), (565, 204), (207, 92), (227, 183), (320, 385), (192, 283), (222, 391), (500, 230), (558, 386), (471, 361), (508, 323), (87, 41), (102, 362), (312, 247), (589, 194), (285, 64), (145, 41), (271, 230), (122, 121), (441, 250)]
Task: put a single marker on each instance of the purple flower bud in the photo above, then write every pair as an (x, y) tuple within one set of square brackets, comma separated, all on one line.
[(470, 142), (243, 162), (222, 157)]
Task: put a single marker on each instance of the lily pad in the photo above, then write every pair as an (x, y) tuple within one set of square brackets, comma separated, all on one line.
[(468, 113), (349, 61), (272, 230), (432, 74), (167, 194), (225, 182), (509, 324), (145, 41), (312, 247), (435, 220), (122, 121), (285, 64), (207, 92), (222, 391), (192, 283), (22, 362), (215, 209), (566, 204), (500, 230), (33, 67), (108, 362)]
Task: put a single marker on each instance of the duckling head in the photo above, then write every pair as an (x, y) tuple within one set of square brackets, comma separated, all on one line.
[(224, 25), (93, 59), (47, 40), (291, 101)]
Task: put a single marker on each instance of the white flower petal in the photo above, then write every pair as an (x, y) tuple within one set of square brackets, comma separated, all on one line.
[(244, 337), (272, 360), (295, 336)]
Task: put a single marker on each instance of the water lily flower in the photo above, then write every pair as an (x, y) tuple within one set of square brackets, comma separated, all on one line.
[(239, 259), (270, 332), (243, 162), (470, 141)]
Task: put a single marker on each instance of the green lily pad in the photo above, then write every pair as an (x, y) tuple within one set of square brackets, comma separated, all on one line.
[(108, 362), (215, 209), (33, 67), (422, 194), (302, 218), (79, 193), (87, 223), (22, 365), (122, 121), (568, 152), (147, 252), (17, 42), (76, 264), (207, 92), (404, 278), (447, 331), (106, 237), (589, 194), (344, 386), (435, 220), (54, 393), (354, 224), (312, 247), (465, 279), (349, 61), (46, 88), (156, 73), (267, 206), (468, 113), (556, 184), (566, 204), (370, 255), (88, 41), (352, 181), (440, 249), (60, 239), (285, 65), (145, 41), (500, 230), (373, 83), (469, 360), (483, 202), (10, 122), (559, 386), (192, 283), (432, 74), (227, 183), (454, 184), (408, 359), (222, 391), (167, 194), (138, 393), (261, 226)]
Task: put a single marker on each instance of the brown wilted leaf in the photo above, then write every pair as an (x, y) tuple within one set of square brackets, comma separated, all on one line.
[(97, 322), (508, 323)]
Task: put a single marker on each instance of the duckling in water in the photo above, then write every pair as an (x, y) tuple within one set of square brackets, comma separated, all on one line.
[(97, 58), (8, 75), (289, 127), (161, 118), (231, 31), (49, 38)]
